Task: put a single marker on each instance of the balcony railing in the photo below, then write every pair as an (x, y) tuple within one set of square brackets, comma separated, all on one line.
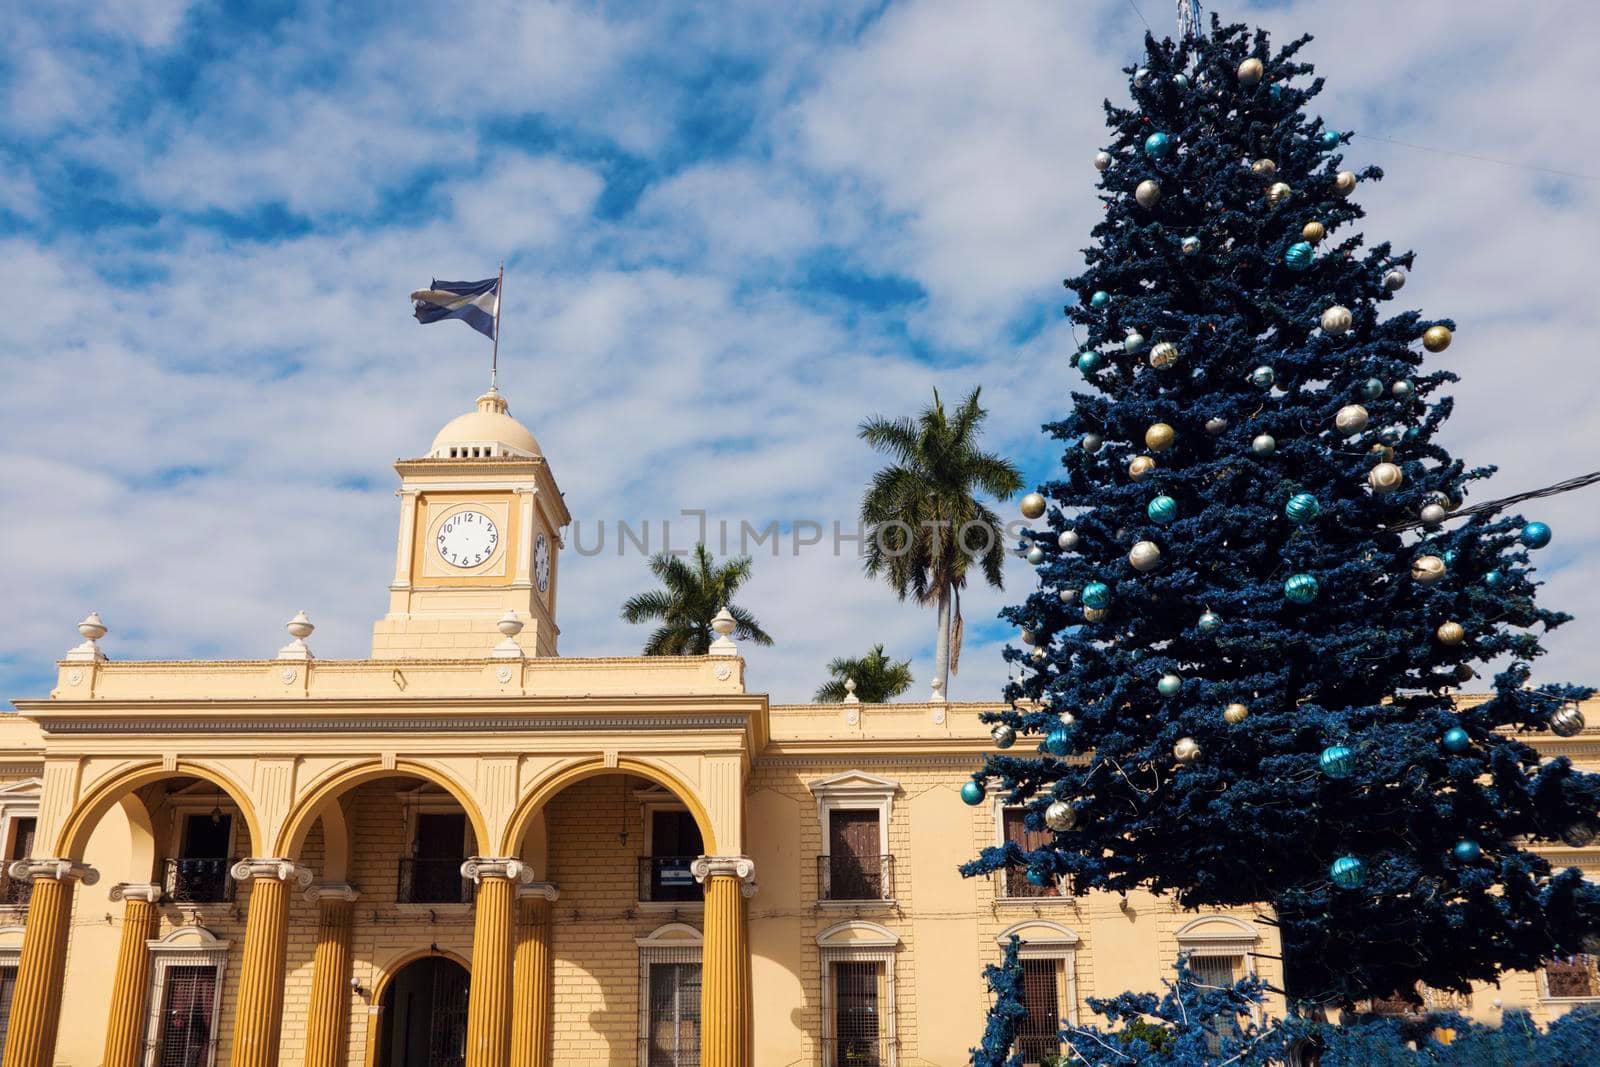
[(857, 1052), (1017, 885), (668, 879), (198, 881), (844, 877), (15, 892), (433, 881)]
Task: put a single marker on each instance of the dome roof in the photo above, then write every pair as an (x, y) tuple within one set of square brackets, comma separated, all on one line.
[(488, 432)]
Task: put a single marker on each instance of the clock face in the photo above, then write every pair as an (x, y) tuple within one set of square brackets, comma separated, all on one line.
[(541, 563), (467, 539)]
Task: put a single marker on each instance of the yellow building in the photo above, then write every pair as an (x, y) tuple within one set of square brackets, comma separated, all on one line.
[(468, 849)]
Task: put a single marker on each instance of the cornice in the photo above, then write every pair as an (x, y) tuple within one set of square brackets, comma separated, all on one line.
[(378, 723)]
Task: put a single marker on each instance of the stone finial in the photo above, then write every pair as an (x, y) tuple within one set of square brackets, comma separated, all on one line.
[(299, 628), (91, 629), (510, 626), (850, 692), (724, 624), (937, 696)]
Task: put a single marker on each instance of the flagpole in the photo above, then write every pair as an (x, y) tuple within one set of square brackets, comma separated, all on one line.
[(499, 298)]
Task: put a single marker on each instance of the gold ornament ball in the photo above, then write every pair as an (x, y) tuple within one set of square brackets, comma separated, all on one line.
[(1383, 450), (1148, 194), (1336, 320), (1344, 183), (1163, 355), (1095, 614), (1313, 232), (1450, 633), (1033, 505), (1278, 192), (1264, 166), (1427, 569), (1385, 477), (1159, 437), (1251, 70), (1145, 556), (1141, 468), (1351, 419), (1187, 750), (1234, 714), (1436, 338)]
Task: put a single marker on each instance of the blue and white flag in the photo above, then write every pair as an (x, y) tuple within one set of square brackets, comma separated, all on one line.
[(475, 303)]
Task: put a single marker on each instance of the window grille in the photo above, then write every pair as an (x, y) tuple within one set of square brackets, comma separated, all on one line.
[(447, 1026), (187, 1025), (1038, 1033), (857, 1039), (8, 986), (1016, 878), (1574, 976), (673, 1037)]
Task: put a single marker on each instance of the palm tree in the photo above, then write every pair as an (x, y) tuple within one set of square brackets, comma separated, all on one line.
[(925, 522), (878, 678), (696, 589)]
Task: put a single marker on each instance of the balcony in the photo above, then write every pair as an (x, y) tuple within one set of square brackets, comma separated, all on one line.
[(188, 880), (667, 879), (433, 881), (845, 878), (14, 892)]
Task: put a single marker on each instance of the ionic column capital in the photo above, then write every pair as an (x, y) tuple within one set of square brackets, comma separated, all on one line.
[(55, 870), (331, 891), (279, 870), (539, 891), (740, 867), (512, 870), (149, 892)]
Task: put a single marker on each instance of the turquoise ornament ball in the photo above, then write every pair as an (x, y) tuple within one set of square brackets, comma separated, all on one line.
[(1157, 145), (1162, 509), (1263, 377), (1057, 742), (1299, 255), (1493, 579), (1467, 851), (1449, 556), (1181, 81), (1100, 299), (1169, 686), (1301, 588), (1088, 361), (1456, 740), (972, 793), (1330, 138), (1209, 621), (1348, 872), (1337, 761), (1096, 595), (1302, 508), (1535, 535), (1371, 389), (1036, 876)]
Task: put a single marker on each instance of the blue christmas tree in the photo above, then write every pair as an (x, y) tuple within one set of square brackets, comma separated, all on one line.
[(1255, 605)]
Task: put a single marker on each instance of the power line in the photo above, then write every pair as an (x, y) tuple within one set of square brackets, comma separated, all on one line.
[(1142, 19), (1480, 159), (1490, 506)]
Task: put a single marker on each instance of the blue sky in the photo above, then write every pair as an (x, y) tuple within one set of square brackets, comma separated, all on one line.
[(730, 231)]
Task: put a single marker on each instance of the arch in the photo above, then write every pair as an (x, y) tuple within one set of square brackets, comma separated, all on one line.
[(386, 973), (857, 933), (91, 808), (292, 838), (335, 840), (1217, 930), (1038, 932), (671, 935), (576, 772)]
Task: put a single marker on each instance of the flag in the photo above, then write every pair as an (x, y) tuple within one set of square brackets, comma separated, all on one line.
[(475, 303)]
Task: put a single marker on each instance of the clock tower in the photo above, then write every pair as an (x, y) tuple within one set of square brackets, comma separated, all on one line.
[(480, 522)]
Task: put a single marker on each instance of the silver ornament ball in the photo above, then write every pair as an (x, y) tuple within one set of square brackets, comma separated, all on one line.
[(1336, 320), (1432, 514), (1060, 816), (1351, 419), (1102, 160), (1264, 445), (1394, 280), (1567, 721), (1145, 556), (1036, 555), (1067, 541), (1216, 425), (1004, 736), (1067, 596), (1148, 193)]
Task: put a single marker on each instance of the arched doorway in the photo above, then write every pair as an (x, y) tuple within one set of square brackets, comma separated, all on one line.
[(424, 1015)]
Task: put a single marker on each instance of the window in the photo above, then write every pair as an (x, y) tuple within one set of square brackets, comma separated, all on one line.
[(853, 868), (1573, 978), (1221, 950), (675, 843), (854, 813), (1015, 882), (199, 872), (1038, 1035), (858, 1010), (669, 997), (185, 998), (18, 891), (8, 986), (438, 848), (673, 1035)]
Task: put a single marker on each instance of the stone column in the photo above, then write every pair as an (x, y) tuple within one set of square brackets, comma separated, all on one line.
[(130, 987), (328, 1024), (258, 1016), (36, 999), (489, 1002), (531, 991), (725, 961)]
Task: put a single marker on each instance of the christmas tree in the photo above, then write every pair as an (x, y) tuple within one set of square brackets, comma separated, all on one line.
[(1255, 607)]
